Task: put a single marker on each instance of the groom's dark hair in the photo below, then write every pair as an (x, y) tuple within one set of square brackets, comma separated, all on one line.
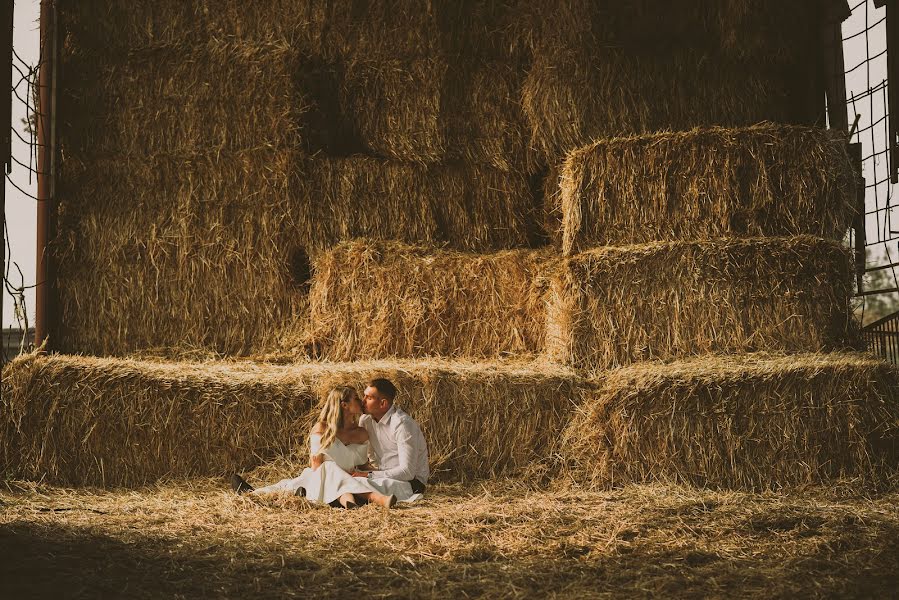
[(385, 387)]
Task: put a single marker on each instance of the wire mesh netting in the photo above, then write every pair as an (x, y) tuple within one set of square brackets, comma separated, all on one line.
[(865, 36), (21, 174)]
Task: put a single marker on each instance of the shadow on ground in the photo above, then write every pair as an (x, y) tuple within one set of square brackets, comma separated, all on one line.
[(50, 560)]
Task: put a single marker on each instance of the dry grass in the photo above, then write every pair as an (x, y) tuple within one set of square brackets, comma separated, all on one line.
[(761, 30), (463, 206), (574, 96), (499, 540), (373, 300), (616, 305), (765, 180), (160, 269), (181, 252), (206, 96), (114, 422), (433, 109), (742, 422)]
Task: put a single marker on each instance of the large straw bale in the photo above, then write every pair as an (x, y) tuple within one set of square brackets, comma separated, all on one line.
[(80, 420), (616, 305), (760, 30), (328, 28), (743, 422), (210, 251), (181, 99), (437, 109), (378, 300), (466, 207), (573, 96), (395, 105), (764, 180), (195, 252)]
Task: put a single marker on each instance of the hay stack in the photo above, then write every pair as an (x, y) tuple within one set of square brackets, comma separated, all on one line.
[(432, 109), (574, 96), (207, 96), (466, 207), (765, 180), (90, 421), (742, 422), (616, 305), (374, 300), (182, 253), (770, 31), (328, 28)]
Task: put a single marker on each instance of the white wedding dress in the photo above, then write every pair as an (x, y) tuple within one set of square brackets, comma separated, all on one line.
[(331, 479)]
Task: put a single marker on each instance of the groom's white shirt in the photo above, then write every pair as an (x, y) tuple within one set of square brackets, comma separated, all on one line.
[(400, 446)]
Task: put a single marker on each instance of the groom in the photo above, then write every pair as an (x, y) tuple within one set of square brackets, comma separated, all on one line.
[(396, 440)]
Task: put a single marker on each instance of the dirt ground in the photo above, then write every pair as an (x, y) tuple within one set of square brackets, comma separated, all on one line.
[(188, 539)]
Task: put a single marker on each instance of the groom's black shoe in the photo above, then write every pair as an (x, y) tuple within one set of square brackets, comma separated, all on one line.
[(239, 485), (301, 492)]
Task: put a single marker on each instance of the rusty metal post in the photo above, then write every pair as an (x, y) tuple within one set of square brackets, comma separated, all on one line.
[(6, 28), (892, 26), (43, 299), (858, 222), (892, 18)]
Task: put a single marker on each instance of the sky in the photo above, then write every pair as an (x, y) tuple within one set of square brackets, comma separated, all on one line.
[(21, 210)]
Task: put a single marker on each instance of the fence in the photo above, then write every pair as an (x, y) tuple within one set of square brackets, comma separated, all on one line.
[(870, 67)]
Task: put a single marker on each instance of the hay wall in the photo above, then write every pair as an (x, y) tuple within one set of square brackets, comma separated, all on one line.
[(572, 97), (617, 305), (749, 422), (764, 180), (435, 109), (206, 150), (89, 421), (459, 205), (372, 300), (183, 99), (192, 253)]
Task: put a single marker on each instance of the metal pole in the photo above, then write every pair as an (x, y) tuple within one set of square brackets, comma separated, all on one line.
[(44, 279), (6, 29)]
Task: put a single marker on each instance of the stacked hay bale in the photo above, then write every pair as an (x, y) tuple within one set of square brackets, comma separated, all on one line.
[(308, 123), (218, 157), (752, 421), (209, 151), (119, 422), (734, 248)]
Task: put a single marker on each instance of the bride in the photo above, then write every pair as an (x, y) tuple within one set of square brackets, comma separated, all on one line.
[(337, 445)]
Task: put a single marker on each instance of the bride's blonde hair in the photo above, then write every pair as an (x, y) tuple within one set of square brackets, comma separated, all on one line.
[(331, 416)]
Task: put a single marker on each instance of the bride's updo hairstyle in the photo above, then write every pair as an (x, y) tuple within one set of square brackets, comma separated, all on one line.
[(331, 415)]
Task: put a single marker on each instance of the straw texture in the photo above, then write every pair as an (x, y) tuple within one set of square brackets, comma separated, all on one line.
[(114, 422), (765, 180), (616, 305), (374, 300), (742, 422)]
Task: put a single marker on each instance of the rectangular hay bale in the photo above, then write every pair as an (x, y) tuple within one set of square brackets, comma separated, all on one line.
[(763, 180), (175, 254), (465, 207), (110, 422), (745, 422), (437, 109), (574, 96), (195, 97), (617, 305), (377, 300)]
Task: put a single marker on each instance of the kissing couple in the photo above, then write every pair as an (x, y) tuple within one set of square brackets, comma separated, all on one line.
[(361, 450)]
